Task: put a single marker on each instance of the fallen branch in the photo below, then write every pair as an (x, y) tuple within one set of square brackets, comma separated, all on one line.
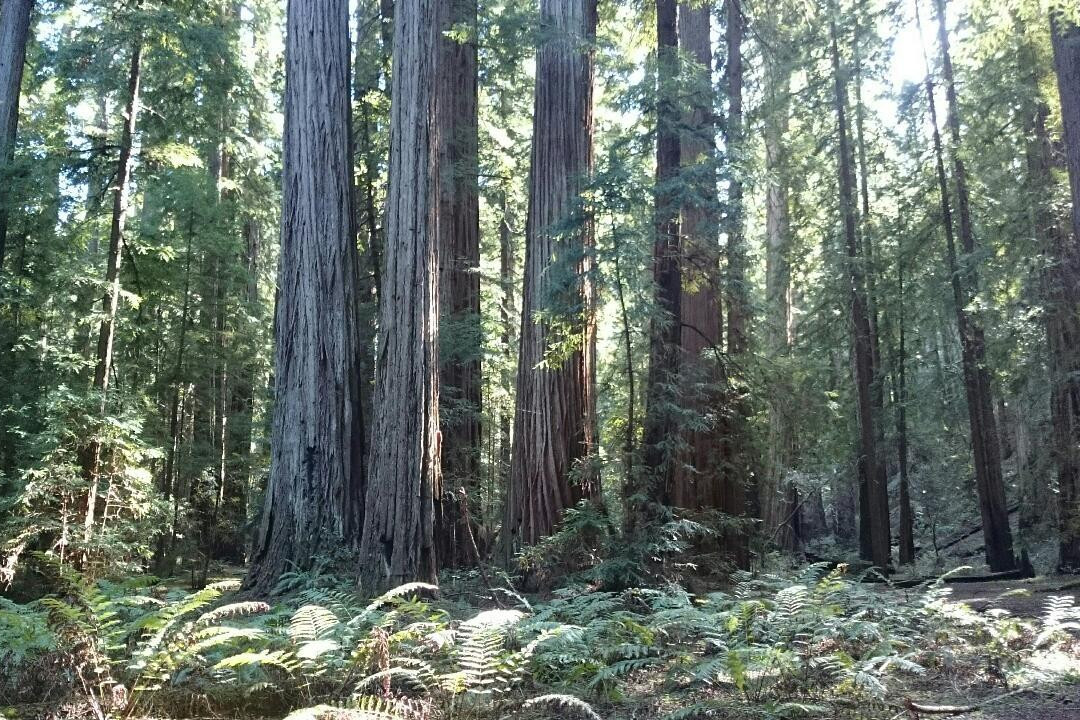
[(916, 708)]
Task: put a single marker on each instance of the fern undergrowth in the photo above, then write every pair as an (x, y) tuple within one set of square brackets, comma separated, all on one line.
[(768, 646)]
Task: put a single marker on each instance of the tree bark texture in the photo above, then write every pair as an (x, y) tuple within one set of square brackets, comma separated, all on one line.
[(314, 496), (14, 31), (697, 478), (777, 496), (404, 478), (1064, 296), (459, 275), (738, 486), (1066, 42), (866, 235), (665, 333), (555, 411), (738, 301), (984, 436), (899, 366), (875, 512)]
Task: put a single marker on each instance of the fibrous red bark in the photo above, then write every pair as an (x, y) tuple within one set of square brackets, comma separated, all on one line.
[(554, 414)]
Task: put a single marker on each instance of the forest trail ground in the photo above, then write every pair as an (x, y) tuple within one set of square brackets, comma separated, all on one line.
[(1024, 599)]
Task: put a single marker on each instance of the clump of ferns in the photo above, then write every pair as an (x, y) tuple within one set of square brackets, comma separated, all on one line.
[(92, 625), (594, 639), (806, 640), (187, 649)]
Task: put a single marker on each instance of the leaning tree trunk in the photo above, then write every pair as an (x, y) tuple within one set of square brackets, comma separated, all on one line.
[(554, 416), (314, 496), (459, 277), (1064, 330), (984, 436), (697, 479), (91, 455), (404, 475), (665, 332), (871, 512), (14, 30)]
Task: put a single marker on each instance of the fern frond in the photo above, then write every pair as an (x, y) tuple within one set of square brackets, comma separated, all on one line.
[(567, 703), (232, 610), (275, 658), (311, 622)]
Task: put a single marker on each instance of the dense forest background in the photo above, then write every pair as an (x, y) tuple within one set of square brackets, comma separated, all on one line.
[(515, 299)]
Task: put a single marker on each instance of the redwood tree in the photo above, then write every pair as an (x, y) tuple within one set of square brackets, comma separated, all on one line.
[(459, 271), (697, 480), (1064, 326), (874, 514), (989, 483), (665, 332), (777, 495), (404, 477), (554, 413), (14, 29), (314, 496)]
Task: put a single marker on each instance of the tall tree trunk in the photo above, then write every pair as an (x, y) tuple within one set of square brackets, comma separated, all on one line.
[(735, 447), (697, 478), (738, 302), (870, 515), (984, 436), (314, 500), (1065, 309), (370, 65), (506, 315), (877, 389), (899, 363), (665, 333), (404, 475), (14, 30), (777, 497), (164, 556), (91, 455), (459, 276), (554, 416)]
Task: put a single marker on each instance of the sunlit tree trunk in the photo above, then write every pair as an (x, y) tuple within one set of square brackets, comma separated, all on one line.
[(404, 475), (554, 415), (314, 501)]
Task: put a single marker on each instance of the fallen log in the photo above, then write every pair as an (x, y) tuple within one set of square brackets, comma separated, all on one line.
[(972, 531), (917, 709), (1018, 574)]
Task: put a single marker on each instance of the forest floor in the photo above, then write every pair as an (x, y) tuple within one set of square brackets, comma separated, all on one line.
[(967, 677), (965, 685), (979, 647)]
